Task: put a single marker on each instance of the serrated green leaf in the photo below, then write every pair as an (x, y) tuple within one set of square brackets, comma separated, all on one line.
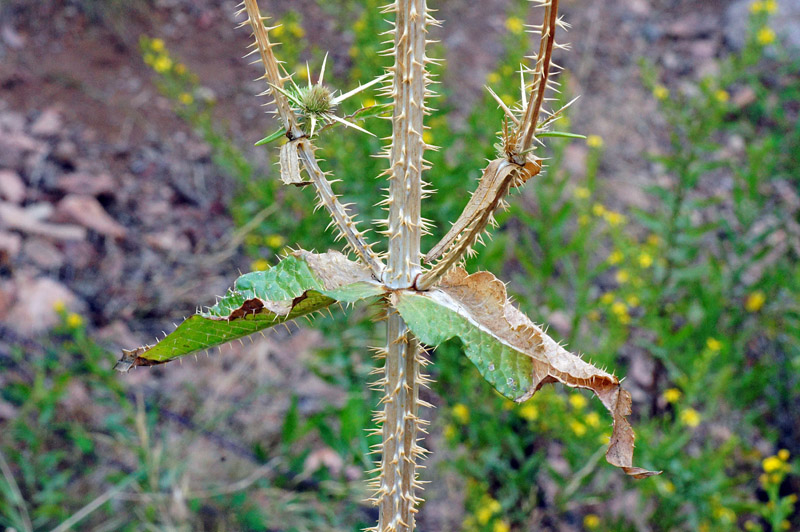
[(300, 284), (512, 353)]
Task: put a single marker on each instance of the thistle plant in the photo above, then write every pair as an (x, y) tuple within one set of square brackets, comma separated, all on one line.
[(425, 299)]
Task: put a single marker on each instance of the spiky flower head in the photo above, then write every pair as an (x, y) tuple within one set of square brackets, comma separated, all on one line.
[(315, 99)]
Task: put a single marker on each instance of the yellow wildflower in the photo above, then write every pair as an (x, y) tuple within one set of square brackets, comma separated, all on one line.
[(515, 25), (756, 7), (603, 439), (369, 102), (591, 521), (622, 276), (783, 454), (259, 265), (785, 524), (607, 298), (598, 209), (660, 92), (185, 98), (59, 306), (725, 514), (461, 413), (74, 320), (450, 432), (615, 257), (296, 30), (765, 36), (488, 508), (770, 6), (645, 260), (750, 525), (594, 141), (274, 241), (278, 31), (577, 401), (507, 99), (722, 96), (583, 220), (772, 464), (669, 487), (493, 78), (180, 68), (508, 70), (713, 344), (632, 300), (593, 419), (619, 308), (672, 395), (755, 301), (483, 515), (577, 427), (529, 412), (501, 526), (582, 193), (690, 417), (615, 218), (427, 137), (360, 24), (162, 63), (653, 240), (156, 45)]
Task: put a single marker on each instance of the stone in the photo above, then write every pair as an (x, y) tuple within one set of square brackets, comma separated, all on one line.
[(36, 308), (10, 245), (27, 221), (43, 254), (86, 184), (12, 188), (87, 211), (14, 147), (48, 124)]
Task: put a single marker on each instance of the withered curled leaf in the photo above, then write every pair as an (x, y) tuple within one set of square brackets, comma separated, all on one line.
[(511, 352)]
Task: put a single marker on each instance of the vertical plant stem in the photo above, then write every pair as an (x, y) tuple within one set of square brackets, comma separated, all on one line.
[(397, 481)]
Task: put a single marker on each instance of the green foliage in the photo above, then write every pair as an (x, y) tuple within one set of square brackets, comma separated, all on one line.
[(258, 300)]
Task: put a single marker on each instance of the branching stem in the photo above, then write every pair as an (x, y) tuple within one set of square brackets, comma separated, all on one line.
[(342, 220)]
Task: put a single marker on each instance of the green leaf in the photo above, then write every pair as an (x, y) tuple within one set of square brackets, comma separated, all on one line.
[(560, 134), (300, 284), (274, 136), (512, 353)]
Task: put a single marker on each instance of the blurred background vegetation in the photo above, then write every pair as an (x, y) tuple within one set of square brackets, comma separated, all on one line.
[(692, 293)]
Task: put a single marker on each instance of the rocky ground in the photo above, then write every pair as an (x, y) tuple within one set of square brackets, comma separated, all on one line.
[(112, 206)]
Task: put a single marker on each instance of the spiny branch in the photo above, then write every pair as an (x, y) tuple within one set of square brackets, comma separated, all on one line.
[(342, 220), (541, 76)]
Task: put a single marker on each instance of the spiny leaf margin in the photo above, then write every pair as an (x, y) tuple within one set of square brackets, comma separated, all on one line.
[(510, 351), (300, 284)]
